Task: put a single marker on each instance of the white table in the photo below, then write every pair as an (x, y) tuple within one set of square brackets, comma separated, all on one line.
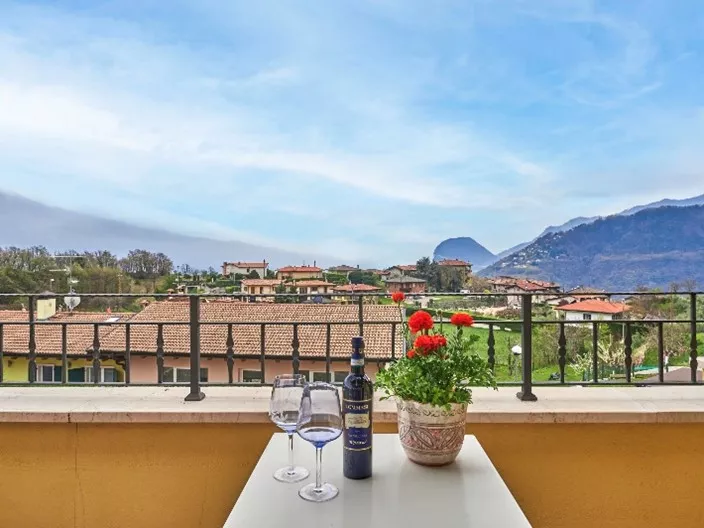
[(468, 493)]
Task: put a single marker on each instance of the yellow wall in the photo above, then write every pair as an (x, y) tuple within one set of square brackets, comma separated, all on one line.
[(19, 370), (189, 476)]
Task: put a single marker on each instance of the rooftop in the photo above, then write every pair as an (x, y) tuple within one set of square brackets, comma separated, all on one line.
[(261, 282), (595, 306), (299, 269), (454, 263), (260, 265), (312, 283), (247, 337), (404, 280), (351, 288)]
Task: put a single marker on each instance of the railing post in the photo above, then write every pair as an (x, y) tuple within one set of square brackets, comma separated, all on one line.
[(295, 344), (32, 374), (562, 352), (196, 394), (693, 363), (526, 393), (96, 354)]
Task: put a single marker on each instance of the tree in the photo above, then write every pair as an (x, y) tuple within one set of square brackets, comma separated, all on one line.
[(253, 275), (363, 277), (429, 271)]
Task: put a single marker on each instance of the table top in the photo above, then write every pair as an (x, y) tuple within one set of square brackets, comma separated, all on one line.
[(468, 493)]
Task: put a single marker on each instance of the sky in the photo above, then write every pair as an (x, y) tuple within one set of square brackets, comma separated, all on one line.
[(370, 130)]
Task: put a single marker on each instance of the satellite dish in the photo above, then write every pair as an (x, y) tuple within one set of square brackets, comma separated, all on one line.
[(517, 350), (71, 301)]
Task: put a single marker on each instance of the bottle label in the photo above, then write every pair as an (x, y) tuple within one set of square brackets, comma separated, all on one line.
[(357, 362), (358, 424)]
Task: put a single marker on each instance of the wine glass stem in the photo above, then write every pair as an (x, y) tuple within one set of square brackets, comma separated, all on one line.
[(318, 468), (291, 464)]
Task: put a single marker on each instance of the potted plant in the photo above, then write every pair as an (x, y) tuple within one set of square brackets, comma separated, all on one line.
[(432, 387)]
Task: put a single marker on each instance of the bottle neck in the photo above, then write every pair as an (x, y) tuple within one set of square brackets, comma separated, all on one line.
[(357, 362)]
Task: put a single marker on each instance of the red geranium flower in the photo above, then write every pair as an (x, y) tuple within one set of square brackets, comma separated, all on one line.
[(420, 321), (440, 341), (462, 319), (398, 297), (411, 354), (425, 344)]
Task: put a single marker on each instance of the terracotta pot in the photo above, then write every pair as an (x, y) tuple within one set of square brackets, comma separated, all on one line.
[(431, 435)]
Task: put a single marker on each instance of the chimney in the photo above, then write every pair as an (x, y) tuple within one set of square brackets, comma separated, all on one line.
[(315, 263)]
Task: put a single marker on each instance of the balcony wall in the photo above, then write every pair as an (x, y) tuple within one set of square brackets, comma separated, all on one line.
[(622, 468)]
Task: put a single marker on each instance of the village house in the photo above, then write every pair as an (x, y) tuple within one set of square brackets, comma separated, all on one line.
[(258, 351), (593, 310), (49, 340), (402, 270), (230, 269), (343, 270), (310, 287), (513, 287), (405, 284), (581, 293), (260, 287), (456, 264), (299, 273)]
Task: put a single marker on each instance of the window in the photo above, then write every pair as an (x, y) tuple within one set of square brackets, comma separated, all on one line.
[(251, 376), (340, 376), (182, 375), (48, 373), (587, 317), (319, 376), (107, 375)]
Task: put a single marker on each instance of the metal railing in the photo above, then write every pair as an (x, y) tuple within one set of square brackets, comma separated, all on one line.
[(96, 355)]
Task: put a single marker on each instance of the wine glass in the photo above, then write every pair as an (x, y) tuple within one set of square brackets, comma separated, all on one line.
[(319, 422), (283, 410)]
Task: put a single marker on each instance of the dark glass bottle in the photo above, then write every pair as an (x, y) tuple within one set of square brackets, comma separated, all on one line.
[(357, 408)]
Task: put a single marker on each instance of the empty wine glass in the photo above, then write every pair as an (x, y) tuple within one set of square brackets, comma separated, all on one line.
[(283, 409), (319, 422)]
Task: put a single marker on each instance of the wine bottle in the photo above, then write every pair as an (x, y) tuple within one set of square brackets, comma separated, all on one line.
[(357, 408)]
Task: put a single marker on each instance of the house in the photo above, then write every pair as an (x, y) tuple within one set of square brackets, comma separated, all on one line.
[(402, 270), (230, 269), (260, 286), (258, 351), (456, 264), (343, 270), (593, 310), (349, 289), (299, 273), (405, 284), (514, 287), (80, 335), (379, 273), (581, 293), (308, 287)]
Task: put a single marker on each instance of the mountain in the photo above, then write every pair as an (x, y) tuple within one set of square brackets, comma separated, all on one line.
[(652, 247), (25, 222), (464, 248), (581, 220)]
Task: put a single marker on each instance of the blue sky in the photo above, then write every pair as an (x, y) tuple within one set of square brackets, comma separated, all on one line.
[(365, 129)]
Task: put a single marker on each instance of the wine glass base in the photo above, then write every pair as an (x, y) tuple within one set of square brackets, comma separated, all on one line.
[(291, 475), (325, 493)]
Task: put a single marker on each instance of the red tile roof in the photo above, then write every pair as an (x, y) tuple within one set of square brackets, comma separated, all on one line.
[(278, 338), (79, 332), (299, 269), (454, 263), (409, 267), (595, 306), (351, 288)]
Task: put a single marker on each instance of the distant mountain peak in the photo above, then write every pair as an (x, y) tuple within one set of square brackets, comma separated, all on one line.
[(466, 249)]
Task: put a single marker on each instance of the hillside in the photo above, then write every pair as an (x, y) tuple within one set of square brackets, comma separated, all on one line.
[(653, 248), (25, 223), (464, 248), (581, 220)]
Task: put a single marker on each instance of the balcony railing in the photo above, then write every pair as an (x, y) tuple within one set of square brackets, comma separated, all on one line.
[(95, 354)]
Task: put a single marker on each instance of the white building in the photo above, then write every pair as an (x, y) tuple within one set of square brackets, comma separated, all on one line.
[(245, 268), (593, 310)]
